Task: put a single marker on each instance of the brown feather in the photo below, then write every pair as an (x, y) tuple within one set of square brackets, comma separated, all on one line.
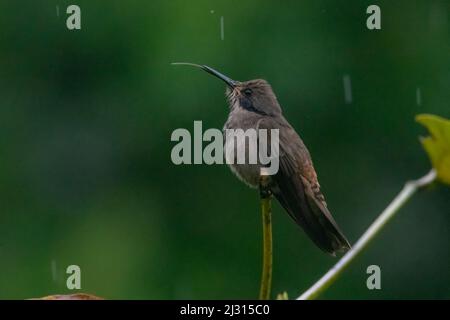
[(296, 188)]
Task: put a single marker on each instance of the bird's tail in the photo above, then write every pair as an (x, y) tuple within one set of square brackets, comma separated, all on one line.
[(310, 212)]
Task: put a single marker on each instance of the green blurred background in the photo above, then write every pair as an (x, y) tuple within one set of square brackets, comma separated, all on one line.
[(85, 124)]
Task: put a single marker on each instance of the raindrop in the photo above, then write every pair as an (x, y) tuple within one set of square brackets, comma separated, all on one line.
[(418, 96), (347, 89)]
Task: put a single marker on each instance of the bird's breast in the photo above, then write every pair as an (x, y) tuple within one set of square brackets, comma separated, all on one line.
[(241, 148)]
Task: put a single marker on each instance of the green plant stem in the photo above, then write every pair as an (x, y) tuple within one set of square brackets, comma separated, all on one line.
[(407, 192), (266, 210)]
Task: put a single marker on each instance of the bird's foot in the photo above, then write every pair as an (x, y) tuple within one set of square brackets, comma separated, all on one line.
[(265, 193)]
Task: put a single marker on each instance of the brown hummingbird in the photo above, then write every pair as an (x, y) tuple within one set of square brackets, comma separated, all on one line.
[(253, 104)]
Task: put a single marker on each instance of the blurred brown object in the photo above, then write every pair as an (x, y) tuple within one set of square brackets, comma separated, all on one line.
[(76, 296)]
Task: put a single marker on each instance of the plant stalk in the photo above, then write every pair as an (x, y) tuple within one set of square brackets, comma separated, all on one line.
[(407, 192), (266, 210)]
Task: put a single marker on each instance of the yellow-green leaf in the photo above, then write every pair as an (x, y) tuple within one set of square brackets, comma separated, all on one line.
[(437, 145), (282, 296)]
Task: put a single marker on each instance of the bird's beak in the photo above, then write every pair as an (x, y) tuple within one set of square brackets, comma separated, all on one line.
[(230, 82)]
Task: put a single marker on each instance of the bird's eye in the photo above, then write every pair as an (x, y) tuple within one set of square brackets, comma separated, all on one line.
[(248, 92)]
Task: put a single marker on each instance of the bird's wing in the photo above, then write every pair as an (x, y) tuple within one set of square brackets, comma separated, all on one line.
[(296, 187)]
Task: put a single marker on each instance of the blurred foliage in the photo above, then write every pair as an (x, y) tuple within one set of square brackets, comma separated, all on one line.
[(282, 296), (85, 124), (438, 144)]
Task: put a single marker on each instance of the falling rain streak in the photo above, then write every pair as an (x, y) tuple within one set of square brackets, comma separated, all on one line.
[(54, 271), (347, 89), (418, 97), (222, 31)]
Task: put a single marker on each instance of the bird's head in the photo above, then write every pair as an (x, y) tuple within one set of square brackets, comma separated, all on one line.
[(253, 95)]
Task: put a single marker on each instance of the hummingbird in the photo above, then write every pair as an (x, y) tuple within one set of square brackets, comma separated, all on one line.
[(254, 105)]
